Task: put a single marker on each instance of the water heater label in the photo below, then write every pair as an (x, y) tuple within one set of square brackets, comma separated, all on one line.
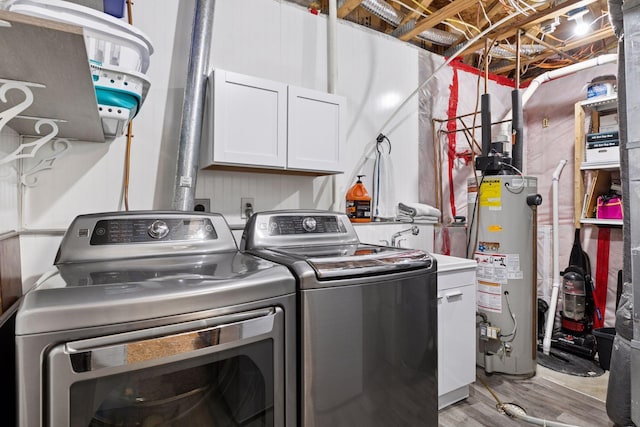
[(489, 296), (491, 194)]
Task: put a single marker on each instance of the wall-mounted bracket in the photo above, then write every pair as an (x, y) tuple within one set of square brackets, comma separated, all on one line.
[(29, 150)]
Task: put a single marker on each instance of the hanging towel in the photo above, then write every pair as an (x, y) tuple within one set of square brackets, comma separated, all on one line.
[(383, 185)]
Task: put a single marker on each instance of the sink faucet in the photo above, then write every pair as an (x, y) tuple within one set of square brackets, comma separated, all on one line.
[(413, 230)]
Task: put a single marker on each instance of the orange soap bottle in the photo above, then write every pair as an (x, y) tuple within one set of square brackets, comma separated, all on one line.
[(358, 203)]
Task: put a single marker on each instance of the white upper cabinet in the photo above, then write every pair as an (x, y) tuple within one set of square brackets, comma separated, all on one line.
[(316, 130), (258, 123), (249, 121)]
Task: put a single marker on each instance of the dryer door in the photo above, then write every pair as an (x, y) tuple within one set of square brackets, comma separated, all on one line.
[(226, 370)]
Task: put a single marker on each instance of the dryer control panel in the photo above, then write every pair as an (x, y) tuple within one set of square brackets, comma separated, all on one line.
[(136, 234)]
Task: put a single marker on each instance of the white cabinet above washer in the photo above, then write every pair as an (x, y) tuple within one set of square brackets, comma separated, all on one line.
[(246, 122), (254, 123), (316, 130)]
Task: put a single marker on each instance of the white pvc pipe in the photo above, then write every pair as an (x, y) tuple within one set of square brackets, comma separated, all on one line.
[(552, 75), (551, 314), (332, 77), (332, 54)]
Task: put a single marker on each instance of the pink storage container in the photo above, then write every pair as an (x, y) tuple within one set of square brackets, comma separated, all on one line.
[(609, 208)]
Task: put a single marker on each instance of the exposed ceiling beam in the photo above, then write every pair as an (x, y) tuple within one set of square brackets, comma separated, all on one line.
[(591, 38), (414, 15), (437, 17), (492, 10), (528, 22), (347, 7), (551, 47)]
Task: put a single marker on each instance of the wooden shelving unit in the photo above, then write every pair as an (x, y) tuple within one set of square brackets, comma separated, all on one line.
[(597, 175), (51, 56)]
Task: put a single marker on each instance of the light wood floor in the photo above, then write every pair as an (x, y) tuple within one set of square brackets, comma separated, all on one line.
[(539, 397)]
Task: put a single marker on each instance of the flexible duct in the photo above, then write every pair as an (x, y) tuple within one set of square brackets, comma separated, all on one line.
[(528, 49), (391, 16), (193, 107), (384, 11)]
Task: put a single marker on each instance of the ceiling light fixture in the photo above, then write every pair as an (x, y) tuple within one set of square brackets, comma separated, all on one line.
[(581, 28)]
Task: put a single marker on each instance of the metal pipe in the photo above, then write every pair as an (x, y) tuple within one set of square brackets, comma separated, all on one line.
[(437, 161), (546, 342), (193, 106)]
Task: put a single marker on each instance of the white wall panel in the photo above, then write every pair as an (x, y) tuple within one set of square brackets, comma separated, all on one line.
[(9, 184), (247, 37), (266, 38), (89, 178), (37, 255), (375, 73)]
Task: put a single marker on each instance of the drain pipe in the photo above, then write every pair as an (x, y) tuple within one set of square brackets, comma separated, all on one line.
[(193, 107), (332, 78), (546, 342)]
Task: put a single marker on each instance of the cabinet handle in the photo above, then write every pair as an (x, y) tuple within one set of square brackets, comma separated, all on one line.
[(453, 295), (439, 298)]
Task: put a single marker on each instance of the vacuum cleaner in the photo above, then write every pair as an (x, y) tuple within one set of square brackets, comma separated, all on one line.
[(574, 335), (576, 324)]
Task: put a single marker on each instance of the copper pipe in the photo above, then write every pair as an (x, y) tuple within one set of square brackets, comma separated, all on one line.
[(518, 59), (486, 65)]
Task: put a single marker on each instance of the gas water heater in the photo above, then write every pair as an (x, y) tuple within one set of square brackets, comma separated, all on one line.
[(502, 205)]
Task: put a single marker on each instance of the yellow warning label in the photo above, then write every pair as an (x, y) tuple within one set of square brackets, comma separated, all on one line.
[(491, 193), (495, 228)]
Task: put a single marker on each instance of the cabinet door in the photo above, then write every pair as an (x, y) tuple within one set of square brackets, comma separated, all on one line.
[(456, 337), (249, 119), (316, 130)]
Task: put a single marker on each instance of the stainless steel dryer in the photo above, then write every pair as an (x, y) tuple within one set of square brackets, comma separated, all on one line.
[(155, 318), (367, 326)]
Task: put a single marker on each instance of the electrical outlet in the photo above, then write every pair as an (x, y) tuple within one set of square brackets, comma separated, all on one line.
[(202, 205), (247, 207)]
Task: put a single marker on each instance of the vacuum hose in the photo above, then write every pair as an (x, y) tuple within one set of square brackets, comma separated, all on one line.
[(517, 412), (532, 420)]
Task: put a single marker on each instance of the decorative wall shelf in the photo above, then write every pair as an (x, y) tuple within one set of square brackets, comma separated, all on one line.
[(52, 57)]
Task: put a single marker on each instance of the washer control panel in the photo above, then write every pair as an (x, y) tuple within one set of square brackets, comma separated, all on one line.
[(301, 224), (137, 230), (297, 227)]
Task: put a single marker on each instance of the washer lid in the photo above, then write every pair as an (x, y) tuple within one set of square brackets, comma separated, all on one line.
[(337, 261), (82, 295)]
